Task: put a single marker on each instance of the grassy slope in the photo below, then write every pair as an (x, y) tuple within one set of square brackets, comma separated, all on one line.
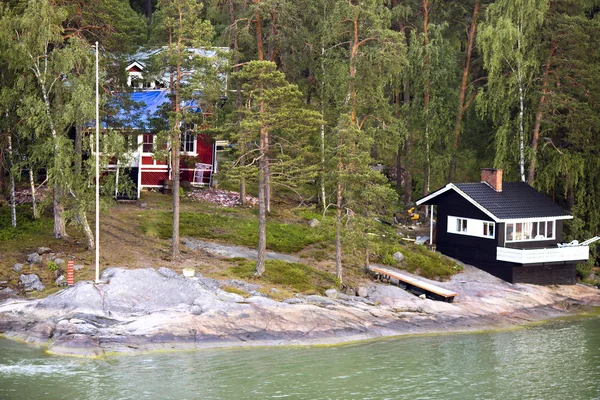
[(135, 237)]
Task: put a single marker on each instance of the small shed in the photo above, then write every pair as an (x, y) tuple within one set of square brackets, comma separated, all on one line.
[(508, 229)]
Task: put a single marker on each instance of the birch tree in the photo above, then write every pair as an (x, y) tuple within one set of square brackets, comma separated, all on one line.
[(508, 41)]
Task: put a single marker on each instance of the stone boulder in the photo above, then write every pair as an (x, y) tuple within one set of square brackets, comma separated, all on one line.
[(230, 297), (168, 273), (362, 291), (59, 261), (18, 267), (60, 281), (78, 267), (31, 282), (34, 258), (331, 293), (7, 293), (44, 250), (313, 223), (398, 257)]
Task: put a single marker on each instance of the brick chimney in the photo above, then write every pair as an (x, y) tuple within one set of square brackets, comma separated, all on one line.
[(492, 177)]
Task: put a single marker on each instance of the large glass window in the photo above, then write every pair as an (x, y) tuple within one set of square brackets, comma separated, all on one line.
[(539, 230), (461, 225)]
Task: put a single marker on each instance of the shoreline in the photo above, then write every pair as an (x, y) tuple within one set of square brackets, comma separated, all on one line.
[(587, 312), (145, 311)]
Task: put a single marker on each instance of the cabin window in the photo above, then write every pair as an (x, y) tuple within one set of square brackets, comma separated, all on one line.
[(536, 230), (461, 225), (471, 227), (187, 142), (488, 229), (148, 143)]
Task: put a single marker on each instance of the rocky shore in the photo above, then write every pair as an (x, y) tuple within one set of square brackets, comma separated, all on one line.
[(149, 310)]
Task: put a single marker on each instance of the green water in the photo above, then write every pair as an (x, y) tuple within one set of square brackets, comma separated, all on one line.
[(559, 360)]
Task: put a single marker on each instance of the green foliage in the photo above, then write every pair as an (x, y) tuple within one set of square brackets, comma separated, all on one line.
[(421, 261), (299, 277), (239, 229), (52, 266), (235, 290), (26, 225)]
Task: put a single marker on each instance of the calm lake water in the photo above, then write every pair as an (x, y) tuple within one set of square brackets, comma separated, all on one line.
[(559, 360)]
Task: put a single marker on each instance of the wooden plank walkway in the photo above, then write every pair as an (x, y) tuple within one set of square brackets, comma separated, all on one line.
[(436, 292)]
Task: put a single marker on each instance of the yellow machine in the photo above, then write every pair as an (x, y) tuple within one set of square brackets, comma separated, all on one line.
[(412, 215)]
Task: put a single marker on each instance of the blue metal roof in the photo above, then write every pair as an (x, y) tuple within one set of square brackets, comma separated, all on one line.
[(148, 105)]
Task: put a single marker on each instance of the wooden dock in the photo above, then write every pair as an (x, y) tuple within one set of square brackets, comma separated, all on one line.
[(415, 285)]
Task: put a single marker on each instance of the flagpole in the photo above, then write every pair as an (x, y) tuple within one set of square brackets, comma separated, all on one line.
[(97, 171)]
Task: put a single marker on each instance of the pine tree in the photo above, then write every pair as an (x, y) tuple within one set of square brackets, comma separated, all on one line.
[(273, 114), (181, 25)]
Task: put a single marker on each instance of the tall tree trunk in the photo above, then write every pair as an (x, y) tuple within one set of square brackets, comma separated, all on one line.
[(463, 91), (259, 37), (78, 151), (426, 96), (538, 117), (267, 172), (322, 130), (13, 204), (400, 147), (521, 108), (262, 201), (175, 147), (408, 141), (238, 99), (338, 229), (60, 230), (354, 45), (33, 201), (148, 10), (2, 172), (89, 235)]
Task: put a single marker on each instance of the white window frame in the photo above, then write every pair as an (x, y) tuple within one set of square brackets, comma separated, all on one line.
[(144, 143), (188, 137), (537, 224), (490, 227), (470, 227)]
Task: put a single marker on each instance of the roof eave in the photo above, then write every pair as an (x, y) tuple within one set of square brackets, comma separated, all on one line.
[(451, 186)]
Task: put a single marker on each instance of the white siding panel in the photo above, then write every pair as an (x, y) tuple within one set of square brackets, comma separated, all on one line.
[(474, 227)]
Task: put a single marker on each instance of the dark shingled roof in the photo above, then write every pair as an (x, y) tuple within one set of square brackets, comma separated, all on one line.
[(516, 200)]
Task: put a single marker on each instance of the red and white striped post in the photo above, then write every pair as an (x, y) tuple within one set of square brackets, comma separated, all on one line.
[(70, 272)]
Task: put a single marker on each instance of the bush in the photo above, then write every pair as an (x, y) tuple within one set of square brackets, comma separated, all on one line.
[(26, 224), (52, 266), (420, 260), (585, 269), (299, 277)]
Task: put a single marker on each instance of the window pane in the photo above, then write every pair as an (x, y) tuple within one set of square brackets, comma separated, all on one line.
[(464, 225), (527, 227), (519, 231), (485, 229), (550, 230), (147, 146), (542, 229), (534, 232), (458, 224), (491, 230), (510, 231)]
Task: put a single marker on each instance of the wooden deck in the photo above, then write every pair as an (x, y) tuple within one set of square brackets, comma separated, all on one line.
[(416, 285)]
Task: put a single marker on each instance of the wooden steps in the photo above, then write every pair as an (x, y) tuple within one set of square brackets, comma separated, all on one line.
[(413, 284)]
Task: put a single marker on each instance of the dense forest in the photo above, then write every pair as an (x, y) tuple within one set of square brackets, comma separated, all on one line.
[(356, 106)]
